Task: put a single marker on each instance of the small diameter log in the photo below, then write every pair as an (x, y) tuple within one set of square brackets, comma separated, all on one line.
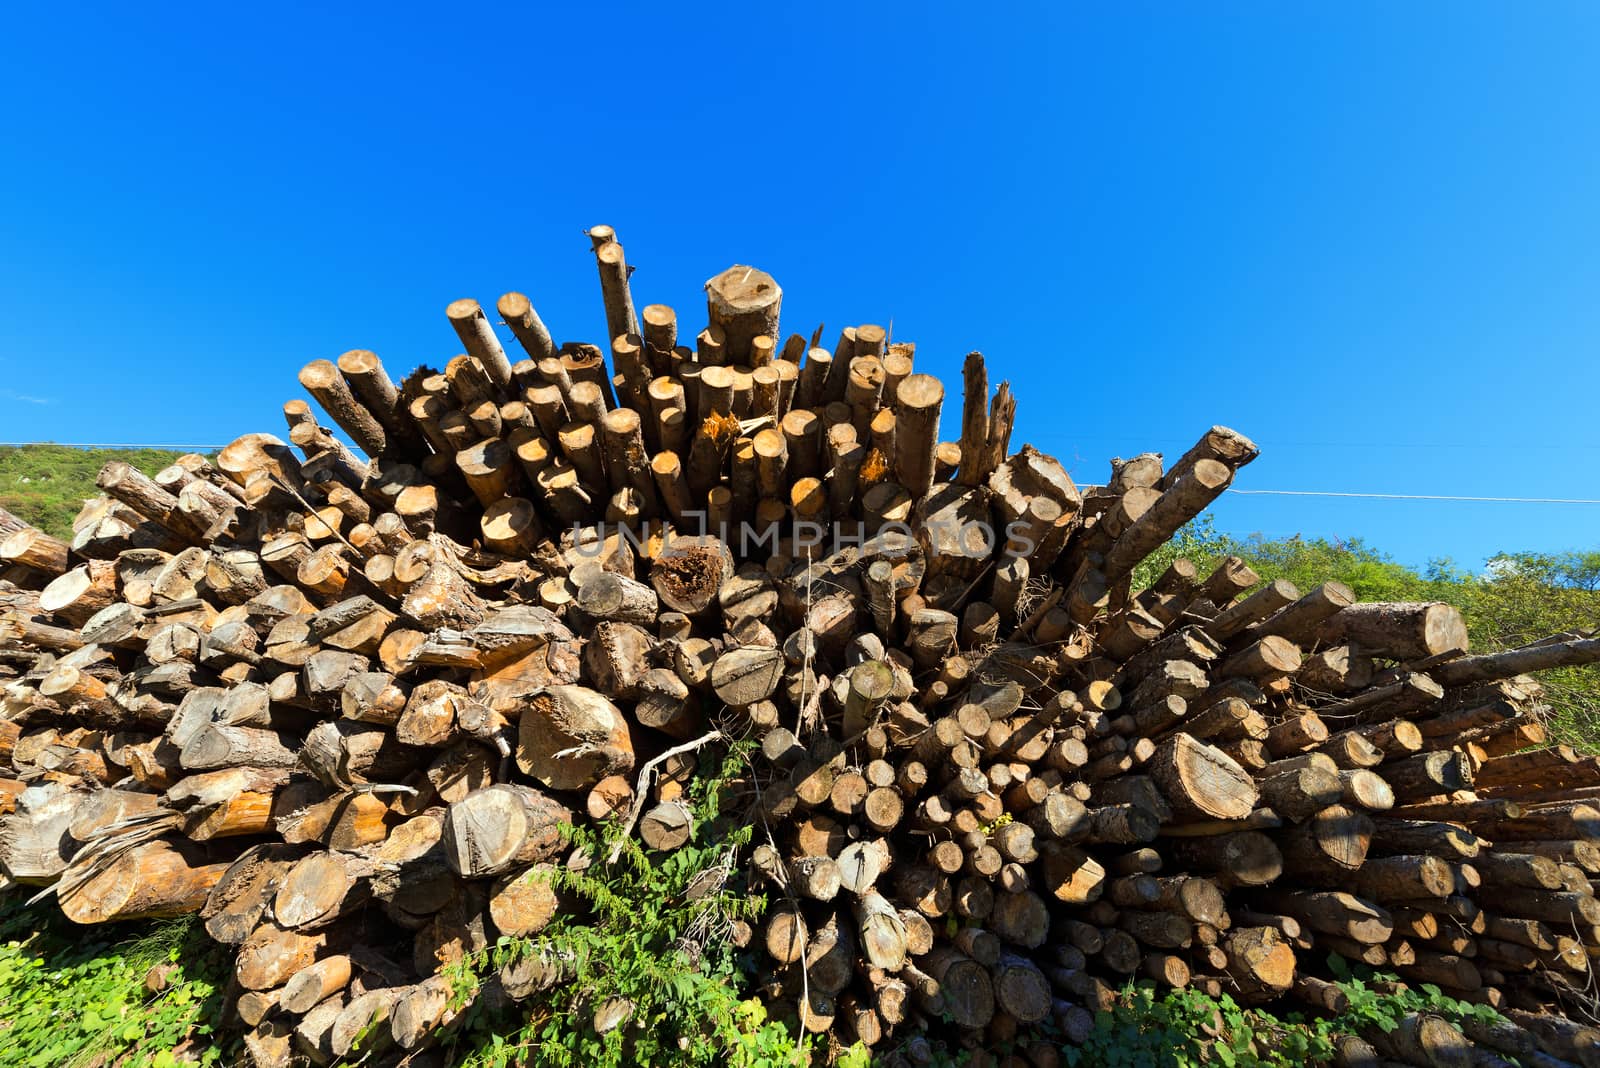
[(1511, 663), (478, 338), (323, 381), (1186, 498), (518, 313), (1299, 622), (614, 288), (916, 409), (666, 826), (1220, 443), (1259, 605), (313, 985)]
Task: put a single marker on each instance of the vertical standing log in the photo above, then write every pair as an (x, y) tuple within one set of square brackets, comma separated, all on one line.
[(744, 302), (916, 411), (614, 272)]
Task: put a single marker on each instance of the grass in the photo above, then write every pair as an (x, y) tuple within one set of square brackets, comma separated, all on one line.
[(46, 484), (75, 997)]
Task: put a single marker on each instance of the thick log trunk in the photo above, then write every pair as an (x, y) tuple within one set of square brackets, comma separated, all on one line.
[(167, 877), (496, 828)]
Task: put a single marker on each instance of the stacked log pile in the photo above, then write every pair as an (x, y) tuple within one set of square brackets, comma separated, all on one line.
[(341, 702)]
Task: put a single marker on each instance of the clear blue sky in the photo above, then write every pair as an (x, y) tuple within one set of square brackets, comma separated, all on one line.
[(1367, 235)]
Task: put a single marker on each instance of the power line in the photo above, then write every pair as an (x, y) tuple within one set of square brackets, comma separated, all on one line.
[(1413, 497)]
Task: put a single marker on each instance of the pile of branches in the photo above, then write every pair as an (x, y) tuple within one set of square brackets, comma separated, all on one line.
[(343, 703)]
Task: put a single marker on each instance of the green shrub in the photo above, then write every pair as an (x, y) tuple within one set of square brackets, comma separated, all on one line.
[(651, 931), (1186, 1029), (73, 996)]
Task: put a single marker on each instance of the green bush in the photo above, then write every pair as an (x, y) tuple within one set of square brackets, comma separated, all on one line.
[(73, 997), (1186, 1029), (649, 931)]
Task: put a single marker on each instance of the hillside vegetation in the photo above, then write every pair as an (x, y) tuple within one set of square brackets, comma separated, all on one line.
[(1517, 598), (47, 484)]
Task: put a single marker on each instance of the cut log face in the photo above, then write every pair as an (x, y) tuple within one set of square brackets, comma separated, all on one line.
[(688, 574), (495, 828), (571, 737), (35, 843), (348, 708), (1201, 781)]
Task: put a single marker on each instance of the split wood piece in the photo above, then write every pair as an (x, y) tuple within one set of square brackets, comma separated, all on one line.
[(241, 896)]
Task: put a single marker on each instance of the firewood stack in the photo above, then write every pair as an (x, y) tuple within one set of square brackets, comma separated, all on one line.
[(341, 706)]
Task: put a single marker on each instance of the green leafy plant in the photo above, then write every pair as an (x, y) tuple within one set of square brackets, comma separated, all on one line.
[(73, 996), (1148, 1028), (650, 943)]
